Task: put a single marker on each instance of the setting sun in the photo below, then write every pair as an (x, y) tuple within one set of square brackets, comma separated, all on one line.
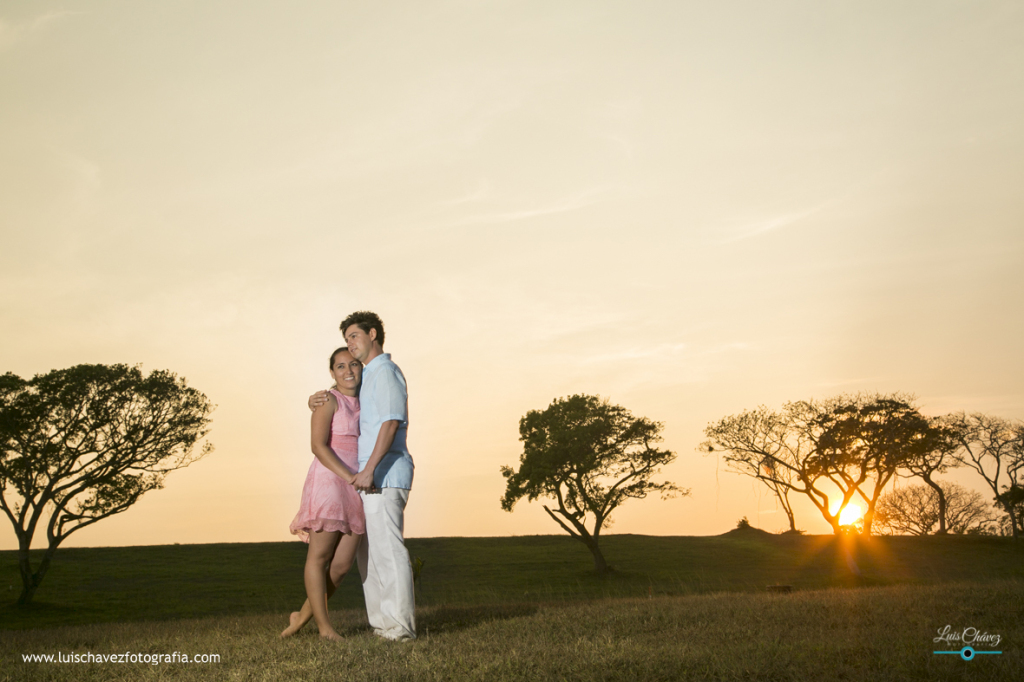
[(851, 514)]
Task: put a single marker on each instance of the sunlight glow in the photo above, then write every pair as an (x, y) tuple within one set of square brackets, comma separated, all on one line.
[(850, 514)]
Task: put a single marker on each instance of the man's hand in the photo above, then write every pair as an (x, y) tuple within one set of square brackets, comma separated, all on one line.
[(385, 437), (363, 481), (317, 399)]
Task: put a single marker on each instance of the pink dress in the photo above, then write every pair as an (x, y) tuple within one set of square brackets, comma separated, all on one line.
[(328, 502)]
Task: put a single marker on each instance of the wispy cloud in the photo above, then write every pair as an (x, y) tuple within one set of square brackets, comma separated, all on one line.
[(572, 202), (727, 348), (482, 191), (662, 351), (850, 382), (12, 34), (740, 229), (771, 224), (647, 367), (624, 145), (615, 123), (85, 176), (642, 353)]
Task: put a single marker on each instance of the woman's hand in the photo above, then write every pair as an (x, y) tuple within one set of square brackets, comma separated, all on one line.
[(318, 399), (363, 480)]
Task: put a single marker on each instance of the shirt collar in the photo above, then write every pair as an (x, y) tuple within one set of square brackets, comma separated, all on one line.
[(371, 363)]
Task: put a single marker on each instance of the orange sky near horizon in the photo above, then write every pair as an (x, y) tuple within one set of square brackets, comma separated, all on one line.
[(689, 208)]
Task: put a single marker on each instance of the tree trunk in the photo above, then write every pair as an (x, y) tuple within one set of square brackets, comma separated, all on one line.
[(30, 581), (25, 598), (942, 504), (784, 499), (583, 535), (28, 590), (1008, 504), (600, 565), (792, 520), (869, 519)]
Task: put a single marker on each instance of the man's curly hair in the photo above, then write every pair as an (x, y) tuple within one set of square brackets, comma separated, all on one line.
[(366, 321)]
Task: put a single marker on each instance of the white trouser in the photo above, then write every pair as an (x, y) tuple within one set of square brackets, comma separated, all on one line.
[(385, 566)]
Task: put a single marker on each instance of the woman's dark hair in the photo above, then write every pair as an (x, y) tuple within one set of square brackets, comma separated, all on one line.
[(343, 349), (366, 321)]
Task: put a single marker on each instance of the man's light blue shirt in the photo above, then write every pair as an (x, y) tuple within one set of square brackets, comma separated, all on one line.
[(383, 396)]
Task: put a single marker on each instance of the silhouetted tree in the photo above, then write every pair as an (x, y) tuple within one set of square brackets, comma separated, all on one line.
[(780, 449), (588, 456), (853, 444), (937, 460), (915, 510), (865, 440), (766, 446), (84, 443), (1011, 501), (994, 447)]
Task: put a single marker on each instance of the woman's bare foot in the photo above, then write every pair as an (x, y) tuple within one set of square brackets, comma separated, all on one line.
[(331, 635), (294, 624)]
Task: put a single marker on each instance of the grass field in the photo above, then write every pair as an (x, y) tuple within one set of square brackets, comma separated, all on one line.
[(94, 585), (531, 608), (872, 634)]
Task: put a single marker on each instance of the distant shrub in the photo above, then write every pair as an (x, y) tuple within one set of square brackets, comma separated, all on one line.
[(915, 510)]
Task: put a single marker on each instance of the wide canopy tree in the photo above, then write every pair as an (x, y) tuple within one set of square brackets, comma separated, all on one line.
[(84, 443), (866, 440), (588, 456), (845, 446)]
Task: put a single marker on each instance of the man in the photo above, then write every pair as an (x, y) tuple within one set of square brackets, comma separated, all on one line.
[(384, 479)]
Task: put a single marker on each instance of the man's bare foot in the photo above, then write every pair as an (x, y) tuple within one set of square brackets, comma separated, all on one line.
[(293, 624), (332, 635)]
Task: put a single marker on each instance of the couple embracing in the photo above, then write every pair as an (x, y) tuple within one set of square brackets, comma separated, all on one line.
[(354, 497)]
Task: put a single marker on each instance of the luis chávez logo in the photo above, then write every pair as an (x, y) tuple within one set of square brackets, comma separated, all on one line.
[(970, 638)]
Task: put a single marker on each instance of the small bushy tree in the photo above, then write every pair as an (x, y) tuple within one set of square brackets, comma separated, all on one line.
[(916, 510), (589, 457), (84, 443)]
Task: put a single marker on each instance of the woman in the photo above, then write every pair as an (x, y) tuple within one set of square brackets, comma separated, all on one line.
[(330, 515)]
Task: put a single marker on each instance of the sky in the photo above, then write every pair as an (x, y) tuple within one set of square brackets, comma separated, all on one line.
[(688, 208)]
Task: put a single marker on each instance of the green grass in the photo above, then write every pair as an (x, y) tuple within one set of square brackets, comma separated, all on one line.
[(876, 634), (531, 608), (98, 585)]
